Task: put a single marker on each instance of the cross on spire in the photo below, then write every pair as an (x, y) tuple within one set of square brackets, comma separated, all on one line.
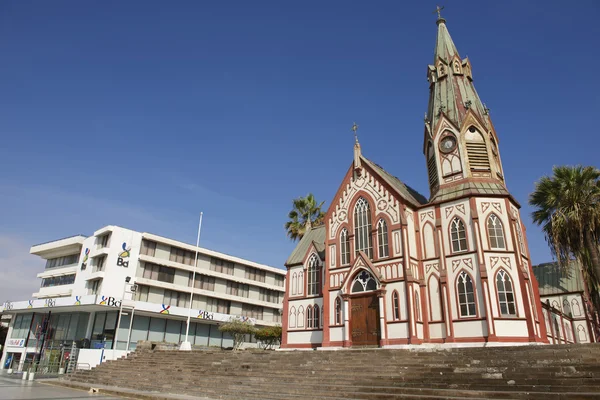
[(438, 10), (354, 129)]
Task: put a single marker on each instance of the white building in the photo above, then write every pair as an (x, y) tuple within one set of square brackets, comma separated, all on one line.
[(85, 279)]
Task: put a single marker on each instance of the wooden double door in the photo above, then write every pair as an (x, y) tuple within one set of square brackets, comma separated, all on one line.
[(364, 320)]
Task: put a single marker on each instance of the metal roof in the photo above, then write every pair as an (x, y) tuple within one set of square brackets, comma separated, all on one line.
[(462, 189), (552, 279), (408, 193), (315, 235)]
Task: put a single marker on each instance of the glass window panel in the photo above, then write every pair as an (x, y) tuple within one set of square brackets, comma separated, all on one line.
[(139, 330), (173, 329), (157, 329)]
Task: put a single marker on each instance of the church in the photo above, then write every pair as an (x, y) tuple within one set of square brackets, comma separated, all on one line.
[(390, 268)]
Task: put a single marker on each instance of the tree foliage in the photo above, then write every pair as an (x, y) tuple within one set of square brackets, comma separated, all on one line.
[(567, 207), (238, 330), (305, 213), (269, 336)]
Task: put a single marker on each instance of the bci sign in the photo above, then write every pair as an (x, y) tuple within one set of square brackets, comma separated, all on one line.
[(110, 301)]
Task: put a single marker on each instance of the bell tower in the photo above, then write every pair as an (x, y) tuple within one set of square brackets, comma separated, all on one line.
[(460, 143)]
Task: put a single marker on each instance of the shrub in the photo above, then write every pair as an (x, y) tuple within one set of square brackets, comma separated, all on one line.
[(269, 336), (237, 330)]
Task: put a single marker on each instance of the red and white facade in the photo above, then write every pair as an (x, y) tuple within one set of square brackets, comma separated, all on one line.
[(389, 267)]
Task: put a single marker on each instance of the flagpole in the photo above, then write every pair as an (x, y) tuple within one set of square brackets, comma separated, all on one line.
[(186, 345)]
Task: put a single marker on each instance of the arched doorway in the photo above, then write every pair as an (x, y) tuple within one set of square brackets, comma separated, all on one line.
[(364, 311)]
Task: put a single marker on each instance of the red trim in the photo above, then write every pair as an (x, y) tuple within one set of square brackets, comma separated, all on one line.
[(397, 341), (301, 346), (398, 321)]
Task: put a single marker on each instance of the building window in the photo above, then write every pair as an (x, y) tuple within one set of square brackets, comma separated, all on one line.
[(431, 166), (314, 276), (294, 283), (62, 261), (279, 280), (466, 295), (344, 247), (309, 317), (292, 321), (100, 263), (396, 305), (159, 273), (238, 289), (363, 282), (203, 282), (218, 305), (142, 292), (94, 286), (222, 266), (556, 326), (176, 299), (255, 274), (313, 317), (267, 295), (362, 227), (58, 280), (506, 295), (382, 239), (495, 232), (103, 241), (182, 256), (338, 311), (581, 335), (458, 235), (251, 311), (477, 150), (148, 248)]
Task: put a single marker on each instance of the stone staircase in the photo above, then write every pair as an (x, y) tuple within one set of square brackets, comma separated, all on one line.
[(520, 372)]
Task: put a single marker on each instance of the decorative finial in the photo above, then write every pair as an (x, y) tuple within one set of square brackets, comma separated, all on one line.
[(438, 10), (354, 129)]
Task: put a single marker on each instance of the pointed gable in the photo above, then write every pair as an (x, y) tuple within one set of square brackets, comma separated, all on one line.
[(314, 237)]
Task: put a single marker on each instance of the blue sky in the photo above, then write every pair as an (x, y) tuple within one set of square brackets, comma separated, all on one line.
[(144, 113)]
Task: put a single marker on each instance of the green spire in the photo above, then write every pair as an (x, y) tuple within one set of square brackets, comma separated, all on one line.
[(451, 84)]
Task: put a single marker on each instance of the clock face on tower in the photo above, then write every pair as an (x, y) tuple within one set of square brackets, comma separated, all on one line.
[(448, 144)]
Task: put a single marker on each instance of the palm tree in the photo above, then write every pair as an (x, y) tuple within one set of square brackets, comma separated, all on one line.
[(568, 209), (305, 213)]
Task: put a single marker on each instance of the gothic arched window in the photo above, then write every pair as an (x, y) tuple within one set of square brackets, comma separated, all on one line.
[(506, 296), (363, 241), (566, 307), (309, 317), (338, 311), (477, 150), (495, 232), (300, 282), (382, 239), (292, 319), (520, 237), (294, 282), (344, 247), (396, 305), (316, 316), (300, 317), (431, 166), (466, 295), (458, 235), (581, 335), (364, 282), (313, 276), (575, 308)]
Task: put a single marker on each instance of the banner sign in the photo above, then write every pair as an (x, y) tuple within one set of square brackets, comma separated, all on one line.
[(15, 342)]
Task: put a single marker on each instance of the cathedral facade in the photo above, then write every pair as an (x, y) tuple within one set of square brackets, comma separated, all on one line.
[(390, 267)]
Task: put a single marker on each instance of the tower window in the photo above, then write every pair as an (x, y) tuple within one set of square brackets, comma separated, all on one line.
[(477, 150), (495, 232), (314, 276), (458, 235), (506, 296), (466, 295), (431, 166)]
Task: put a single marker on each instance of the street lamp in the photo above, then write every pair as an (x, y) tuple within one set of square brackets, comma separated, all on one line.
[(186, 345), (115, 344)]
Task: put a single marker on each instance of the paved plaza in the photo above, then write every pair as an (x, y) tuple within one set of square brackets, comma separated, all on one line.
[(16, 389)]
